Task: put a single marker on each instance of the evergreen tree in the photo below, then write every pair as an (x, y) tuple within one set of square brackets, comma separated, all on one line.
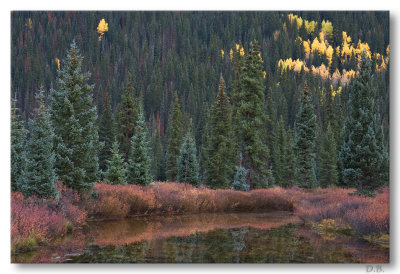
[(239, 181), (40, 176), (279, 154), (363, 155), (126, 119), (174, 141), (290, 166), (328, 173), (116, 172), (249, 117), (305, 140), (187, 164), (203, 155), (270, 123), (106, 133), (237, 71), (139, 163), (220, 149), (75, 125), (18, 155), (158, 162), (284, 167)]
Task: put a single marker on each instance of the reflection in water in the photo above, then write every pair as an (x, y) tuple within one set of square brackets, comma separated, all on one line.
[(210, 238), (238, 241)]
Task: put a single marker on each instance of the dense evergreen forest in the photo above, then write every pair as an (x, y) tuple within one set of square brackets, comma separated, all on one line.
[(224, 99)]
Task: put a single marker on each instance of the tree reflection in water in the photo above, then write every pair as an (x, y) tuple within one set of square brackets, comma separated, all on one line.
[(278, 237)]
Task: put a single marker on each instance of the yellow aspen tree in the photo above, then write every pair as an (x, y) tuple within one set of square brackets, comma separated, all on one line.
[(241, 51), (299, 22), (310, 26), (102, 28), (329, 54), (307, 48), (58, 63), (327, 27)]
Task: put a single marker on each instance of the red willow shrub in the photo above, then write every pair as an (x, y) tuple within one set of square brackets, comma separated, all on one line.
[(33, 217), (365, 215), (35, 220), (117, 201), (374, 217)]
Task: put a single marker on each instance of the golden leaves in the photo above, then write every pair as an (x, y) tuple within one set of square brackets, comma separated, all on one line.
[(336, 92), (222, 53), (264, 74), (310, 26), (290, 64), (102, 28), (231, 55), (329, 54), (321, 71), (28, 23), (327, 27), (58, 63), (307, 47), (241, 51), (297, 19)]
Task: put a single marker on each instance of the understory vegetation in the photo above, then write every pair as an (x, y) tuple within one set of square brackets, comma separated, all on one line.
[(39, 221)]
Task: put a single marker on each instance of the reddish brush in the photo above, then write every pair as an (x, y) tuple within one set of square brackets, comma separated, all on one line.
[(116, 201), (34, 220), (365, 215)]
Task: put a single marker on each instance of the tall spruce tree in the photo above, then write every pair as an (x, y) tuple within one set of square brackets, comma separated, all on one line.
[(40, 175), (187, 163), (284, 167), (279, 154), (174, 139), (239, 181), (270, 123), (290, 167), (75, 125), (305, 140), (363, 156), (126, 118), (116, 171), (106, 133), (158, 159), (249, 116), (18, 155), (139, 163), (328, 172), (220, 162)]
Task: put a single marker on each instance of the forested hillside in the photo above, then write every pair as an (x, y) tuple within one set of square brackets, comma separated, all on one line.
[(263, 98)]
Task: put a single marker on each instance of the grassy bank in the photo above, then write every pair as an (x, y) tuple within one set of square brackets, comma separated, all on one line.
[(38, 221)]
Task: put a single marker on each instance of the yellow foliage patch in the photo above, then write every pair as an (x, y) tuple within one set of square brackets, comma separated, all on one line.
[(102, 28), (58, 63), (310, 26)]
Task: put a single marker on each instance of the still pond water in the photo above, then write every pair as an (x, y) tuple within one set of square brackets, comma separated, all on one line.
[(278, 237)]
